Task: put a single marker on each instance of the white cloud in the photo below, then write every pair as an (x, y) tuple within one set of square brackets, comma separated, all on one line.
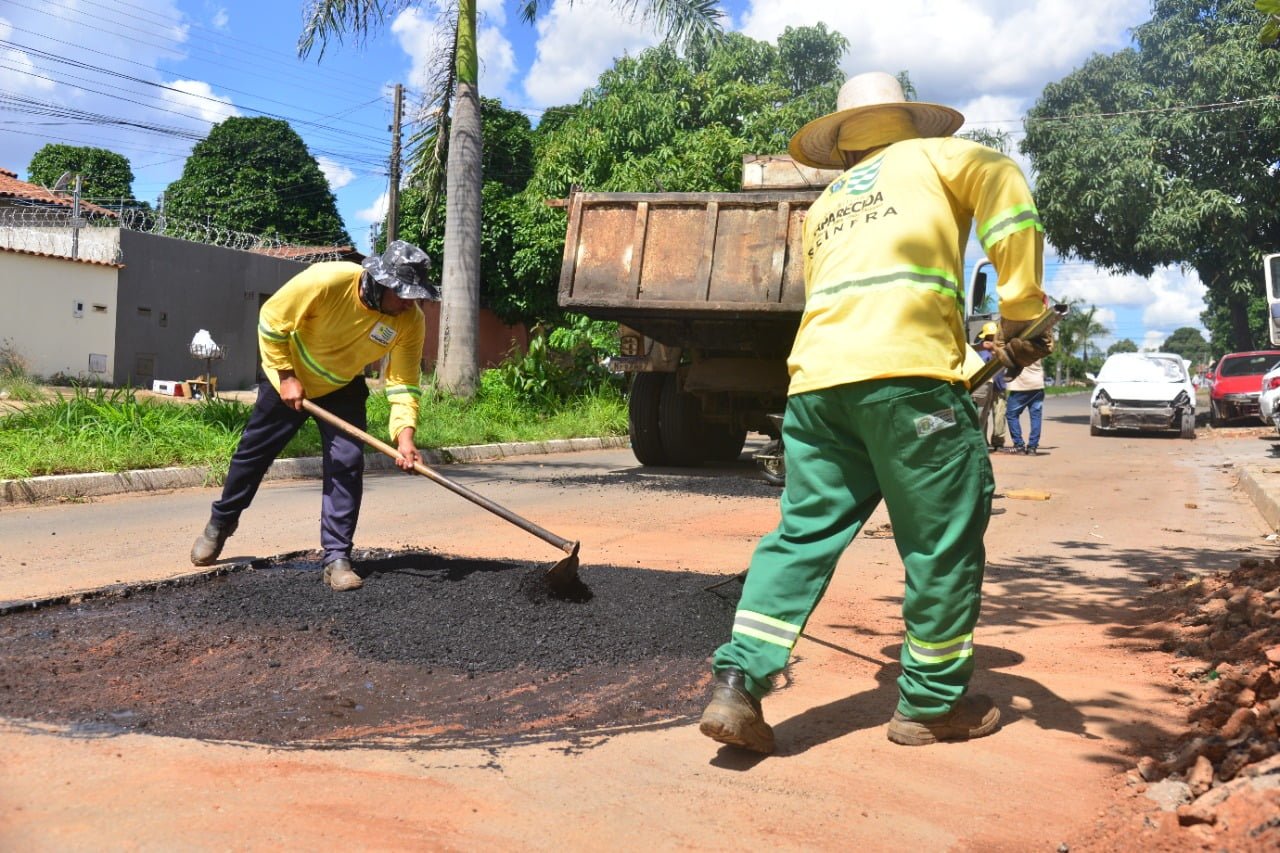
[(335, 173), (196, 98), (961, 50), (575, 44), (22, 75), (220, 19), (423, 33), (377, 211)]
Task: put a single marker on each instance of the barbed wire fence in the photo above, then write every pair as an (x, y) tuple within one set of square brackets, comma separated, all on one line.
[(95, 236)]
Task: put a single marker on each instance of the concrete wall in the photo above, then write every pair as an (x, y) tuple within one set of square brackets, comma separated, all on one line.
[(170, 289), (59, 315), (94, 243), (495, 342)]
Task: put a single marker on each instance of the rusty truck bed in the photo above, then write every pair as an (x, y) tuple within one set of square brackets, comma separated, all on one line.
[(711, 270)]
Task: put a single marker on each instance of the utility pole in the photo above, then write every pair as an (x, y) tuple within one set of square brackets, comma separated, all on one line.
[(76, 221), (393, 195)]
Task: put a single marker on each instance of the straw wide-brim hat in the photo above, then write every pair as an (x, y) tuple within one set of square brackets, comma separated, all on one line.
[(875, 101)]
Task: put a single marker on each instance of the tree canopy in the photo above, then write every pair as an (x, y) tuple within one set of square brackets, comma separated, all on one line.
[(1188, 343), (255, 175), (1122, 345), (1165, 153), (656, 121), (106, 178)]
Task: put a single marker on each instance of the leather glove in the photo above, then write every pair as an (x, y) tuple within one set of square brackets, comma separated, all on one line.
[(1016, 352)]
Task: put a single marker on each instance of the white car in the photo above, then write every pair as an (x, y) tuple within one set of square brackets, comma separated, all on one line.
[(1143, 391), (1270, 398)]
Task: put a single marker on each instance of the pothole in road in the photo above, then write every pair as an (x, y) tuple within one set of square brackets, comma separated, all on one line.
[(433, 651)]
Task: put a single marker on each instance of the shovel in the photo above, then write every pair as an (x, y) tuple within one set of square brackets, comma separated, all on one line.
[(562, 578)]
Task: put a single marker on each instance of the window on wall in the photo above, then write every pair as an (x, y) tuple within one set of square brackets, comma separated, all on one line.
[(144, 364), (144, 313)]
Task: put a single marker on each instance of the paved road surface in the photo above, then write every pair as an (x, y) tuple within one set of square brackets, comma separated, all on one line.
[(1063, 648)]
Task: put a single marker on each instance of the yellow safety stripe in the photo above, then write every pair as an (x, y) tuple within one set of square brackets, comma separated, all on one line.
[(411, 390), (314, 365), (926, 278), (926, 652), (766, 628), (271, 334), (1006, 222)]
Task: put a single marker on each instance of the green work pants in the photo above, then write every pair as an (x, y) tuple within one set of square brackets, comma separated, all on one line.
[(915, 443)]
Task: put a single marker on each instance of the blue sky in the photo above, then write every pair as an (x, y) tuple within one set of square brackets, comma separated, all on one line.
[(176, 67)]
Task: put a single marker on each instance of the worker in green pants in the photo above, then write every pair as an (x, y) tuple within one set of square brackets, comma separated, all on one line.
[(878, 407)]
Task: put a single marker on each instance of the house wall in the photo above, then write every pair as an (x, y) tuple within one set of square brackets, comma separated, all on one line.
[(59, 315), (170, 289), (495, 338)]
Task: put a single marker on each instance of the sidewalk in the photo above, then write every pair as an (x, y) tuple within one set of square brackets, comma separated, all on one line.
[(78, 486)]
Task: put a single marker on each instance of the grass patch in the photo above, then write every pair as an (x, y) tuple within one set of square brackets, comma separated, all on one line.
[(16, 381), (112, 430)]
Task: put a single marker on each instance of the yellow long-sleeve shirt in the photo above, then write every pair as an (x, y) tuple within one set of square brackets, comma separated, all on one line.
[(316, 326), (884, 262)]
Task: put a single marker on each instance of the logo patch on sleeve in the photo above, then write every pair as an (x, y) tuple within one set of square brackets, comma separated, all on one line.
[(382, 334)]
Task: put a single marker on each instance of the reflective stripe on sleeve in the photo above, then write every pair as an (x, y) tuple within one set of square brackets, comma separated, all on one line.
[(765, 628), (270, 333), (411, 390), (314, 365), (1008, 222), (958, 647)]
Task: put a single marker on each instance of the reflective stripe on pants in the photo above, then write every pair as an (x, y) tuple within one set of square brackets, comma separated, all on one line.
[(916, 444)]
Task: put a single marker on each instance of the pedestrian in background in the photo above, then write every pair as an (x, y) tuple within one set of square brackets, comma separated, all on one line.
[(316, 334), (878, 408), (986, 347), (1026, 393)]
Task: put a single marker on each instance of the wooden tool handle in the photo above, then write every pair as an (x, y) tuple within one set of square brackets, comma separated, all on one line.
[(566, 545)]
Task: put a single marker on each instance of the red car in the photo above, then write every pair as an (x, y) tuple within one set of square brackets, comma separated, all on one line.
[(1236, 384)]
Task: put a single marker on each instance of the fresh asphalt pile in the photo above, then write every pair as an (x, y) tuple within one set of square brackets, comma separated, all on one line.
[(433, 650)]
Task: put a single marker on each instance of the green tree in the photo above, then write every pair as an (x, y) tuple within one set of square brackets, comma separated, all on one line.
[(107, 179), (255, 175), (1122, 345), (1136, 170), (684, 21), (662, 121), (507, 164), (1188, 343)]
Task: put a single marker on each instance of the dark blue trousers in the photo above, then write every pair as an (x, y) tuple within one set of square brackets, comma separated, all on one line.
[(1033, 402), (270, 427)]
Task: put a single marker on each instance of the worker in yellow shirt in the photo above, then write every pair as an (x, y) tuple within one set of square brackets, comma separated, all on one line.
[(316, 334), (878, 407)]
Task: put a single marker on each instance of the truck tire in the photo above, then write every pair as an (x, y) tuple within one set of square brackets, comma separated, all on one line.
[(642, 418), (681, 425), (724, 443)]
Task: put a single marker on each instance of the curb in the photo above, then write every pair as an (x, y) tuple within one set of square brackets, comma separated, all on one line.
[(77, 486), (1251, 482)]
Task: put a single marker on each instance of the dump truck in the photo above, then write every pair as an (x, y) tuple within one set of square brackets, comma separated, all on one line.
[(707, 290)]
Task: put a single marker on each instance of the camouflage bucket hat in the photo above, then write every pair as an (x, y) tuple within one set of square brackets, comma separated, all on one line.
[(403, 268)]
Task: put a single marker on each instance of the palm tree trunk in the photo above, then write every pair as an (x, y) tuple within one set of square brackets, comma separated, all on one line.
[(457, 369)]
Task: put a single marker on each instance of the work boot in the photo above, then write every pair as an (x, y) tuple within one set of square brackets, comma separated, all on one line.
[(734, 716), (971, 717), (340, 577), (209, 543)]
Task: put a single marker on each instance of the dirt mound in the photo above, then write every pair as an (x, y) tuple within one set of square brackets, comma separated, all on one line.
[(1217, 784), (431, 652)]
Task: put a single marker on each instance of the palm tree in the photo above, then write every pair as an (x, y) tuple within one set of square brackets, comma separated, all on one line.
[(683, 21), (1076, 331)]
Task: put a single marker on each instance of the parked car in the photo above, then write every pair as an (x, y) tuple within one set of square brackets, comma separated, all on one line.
[(1269, 399), (1143, 391), (1237, 384)]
